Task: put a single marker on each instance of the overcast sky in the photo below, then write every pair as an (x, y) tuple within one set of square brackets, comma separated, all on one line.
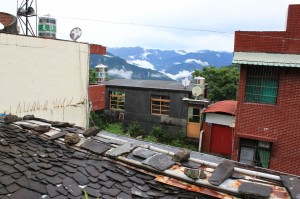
[(113, 18)]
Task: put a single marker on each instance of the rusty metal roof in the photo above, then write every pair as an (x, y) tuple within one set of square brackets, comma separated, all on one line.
[(226, 106)]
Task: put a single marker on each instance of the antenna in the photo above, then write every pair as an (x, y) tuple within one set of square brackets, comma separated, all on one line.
[(186, 82), (25, 11)]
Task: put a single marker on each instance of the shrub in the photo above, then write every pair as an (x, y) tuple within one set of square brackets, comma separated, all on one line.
[(99, 120), (150, 138), (116, 128), (134, 129), (160, 134)]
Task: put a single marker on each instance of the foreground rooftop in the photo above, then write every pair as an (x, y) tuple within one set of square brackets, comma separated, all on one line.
[(36, 163)]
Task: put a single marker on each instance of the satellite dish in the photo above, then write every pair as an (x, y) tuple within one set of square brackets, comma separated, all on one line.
[(1, 26), (186, 82), (75, 33), (196, 91)]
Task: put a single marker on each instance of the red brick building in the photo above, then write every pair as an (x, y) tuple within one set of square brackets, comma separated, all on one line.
[(96, 92), (268, 109)]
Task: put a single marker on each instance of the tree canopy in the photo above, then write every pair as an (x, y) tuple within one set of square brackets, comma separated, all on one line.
[(222, 82)]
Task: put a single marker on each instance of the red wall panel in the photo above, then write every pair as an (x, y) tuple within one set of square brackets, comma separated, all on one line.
[(97, 97)]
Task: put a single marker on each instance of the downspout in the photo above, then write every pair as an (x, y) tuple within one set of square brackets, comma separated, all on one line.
[(200, 141), (202, 119)]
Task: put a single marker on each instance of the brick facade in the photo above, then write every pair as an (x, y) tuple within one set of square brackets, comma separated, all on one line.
[(279, 123), (97, 49), (286, 42)]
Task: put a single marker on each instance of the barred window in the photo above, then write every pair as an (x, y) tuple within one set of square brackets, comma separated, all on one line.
[(262, 84), (255, 152), (160, 105), (117, 100)]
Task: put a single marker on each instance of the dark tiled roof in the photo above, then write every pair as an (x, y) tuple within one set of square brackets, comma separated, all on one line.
[(38, 164), (148, 84), (32, 167)]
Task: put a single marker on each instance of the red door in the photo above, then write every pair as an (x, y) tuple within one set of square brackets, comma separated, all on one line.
[(221, 140)]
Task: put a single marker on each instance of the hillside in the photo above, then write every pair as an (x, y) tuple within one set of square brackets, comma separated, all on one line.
[(120, 68), (176, 64)]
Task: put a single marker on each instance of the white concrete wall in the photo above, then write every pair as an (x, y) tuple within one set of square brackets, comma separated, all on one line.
[(44, 77), (221, 119)]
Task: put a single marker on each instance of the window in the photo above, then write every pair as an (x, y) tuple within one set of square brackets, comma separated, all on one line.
[(194, 115), (160, 105), (262, 84), (255, 152), (117, 100)]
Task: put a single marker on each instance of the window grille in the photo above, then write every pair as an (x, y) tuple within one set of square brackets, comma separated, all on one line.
[(262, 84), (255, 152), (160, 105), (117, 100)]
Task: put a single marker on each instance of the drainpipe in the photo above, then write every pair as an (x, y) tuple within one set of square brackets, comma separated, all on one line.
[(200, 141)]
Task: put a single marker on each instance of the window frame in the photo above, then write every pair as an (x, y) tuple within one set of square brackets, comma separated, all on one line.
[(262, 84), (261, 150), (192, 116), (163, 104), (119, 102)]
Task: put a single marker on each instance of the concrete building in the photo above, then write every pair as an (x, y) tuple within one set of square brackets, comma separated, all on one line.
[(268, 108), (165, 103), (45, 77)]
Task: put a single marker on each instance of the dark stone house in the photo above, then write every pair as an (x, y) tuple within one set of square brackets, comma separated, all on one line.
[(165, 103)]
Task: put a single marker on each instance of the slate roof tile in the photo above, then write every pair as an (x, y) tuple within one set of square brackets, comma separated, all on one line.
[(25, 194), (52, 190), (62, 190), (92, 192), (92, 179), (12, 188), (92, 171), (80, 178), (6, 180), (57, 167), (111, 192), (54, 180), (116, 176), (107, 184)]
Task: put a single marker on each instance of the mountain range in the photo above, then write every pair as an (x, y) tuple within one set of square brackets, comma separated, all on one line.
[(140, 63)]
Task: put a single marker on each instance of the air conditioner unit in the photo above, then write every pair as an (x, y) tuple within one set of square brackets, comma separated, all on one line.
[(121, 116)]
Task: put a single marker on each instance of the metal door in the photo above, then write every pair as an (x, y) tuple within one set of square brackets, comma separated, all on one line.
[(221, 140), (193, 122)]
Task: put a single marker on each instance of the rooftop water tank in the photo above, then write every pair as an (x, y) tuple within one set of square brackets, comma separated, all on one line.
[(101, 73), (47, 27)]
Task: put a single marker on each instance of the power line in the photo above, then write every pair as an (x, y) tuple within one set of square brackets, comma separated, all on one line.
[(147, 25), (176, 28)]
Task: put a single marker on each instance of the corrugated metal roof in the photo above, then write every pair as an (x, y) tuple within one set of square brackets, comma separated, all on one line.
[(148, 84), (267, 59), (226, 106)]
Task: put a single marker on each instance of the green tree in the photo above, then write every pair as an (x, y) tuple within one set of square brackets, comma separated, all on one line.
[(196, 73), (92, 75), (222, 82)]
